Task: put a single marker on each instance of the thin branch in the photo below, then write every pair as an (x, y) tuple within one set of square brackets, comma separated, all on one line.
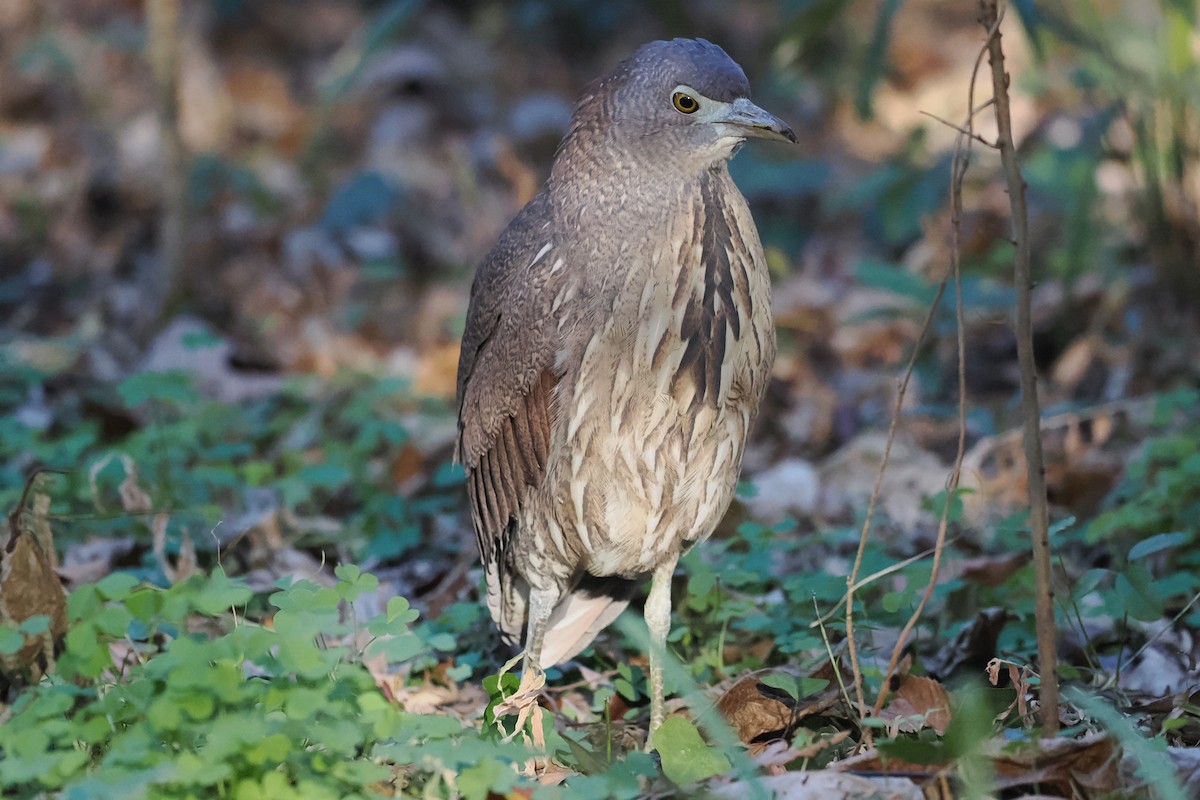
[(960, 164), (965, 131), (163, 39), (1178, 616), (989, 17), (890, 569), (852, 578)]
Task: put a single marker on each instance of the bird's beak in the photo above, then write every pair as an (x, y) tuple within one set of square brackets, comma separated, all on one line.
[(756, 122)]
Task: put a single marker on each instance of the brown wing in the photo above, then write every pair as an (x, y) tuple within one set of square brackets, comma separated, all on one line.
[(505, 386)]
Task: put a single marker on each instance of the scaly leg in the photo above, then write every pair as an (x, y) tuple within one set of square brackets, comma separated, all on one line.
[(524, 702), (541, 605), (658, 620)]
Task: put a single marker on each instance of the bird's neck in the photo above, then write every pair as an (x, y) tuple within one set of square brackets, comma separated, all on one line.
[(596, 178)]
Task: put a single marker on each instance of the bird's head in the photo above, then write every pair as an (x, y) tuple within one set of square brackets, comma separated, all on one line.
[(683, 101)]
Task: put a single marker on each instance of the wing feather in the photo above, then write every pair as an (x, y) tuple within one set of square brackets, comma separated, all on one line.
[(506, 381)]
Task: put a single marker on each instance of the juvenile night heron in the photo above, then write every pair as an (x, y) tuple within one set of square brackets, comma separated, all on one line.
[(617, 346)]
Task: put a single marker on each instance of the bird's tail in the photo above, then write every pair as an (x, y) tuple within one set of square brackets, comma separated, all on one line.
[(585, 611)]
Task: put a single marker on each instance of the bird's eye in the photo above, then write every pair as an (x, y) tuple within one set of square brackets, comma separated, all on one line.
[(684, 103)]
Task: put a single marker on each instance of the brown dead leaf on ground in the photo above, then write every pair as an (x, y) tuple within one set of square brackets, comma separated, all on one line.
[(758, 711), (263, 105), (137, 501), (461, 701), (874, 327), (753, 711), (29, 586), (1159, 710), (1084, 458), (1082, 768), (874, 762), (1085, 768), (918, 703), (1020, 676), (408, 466)]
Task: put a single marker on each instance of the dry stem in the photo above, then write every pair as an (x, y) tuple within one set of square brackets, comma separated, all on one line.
[(162, 28), (989, 17), (961, 162)]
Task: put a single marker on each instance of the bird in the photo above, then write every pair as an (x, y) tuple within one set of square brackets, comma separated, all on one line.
[(617, 346)]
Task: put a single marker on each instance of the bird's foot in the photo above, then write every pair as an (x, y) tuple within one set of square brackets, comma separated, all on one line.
[(523, 703)]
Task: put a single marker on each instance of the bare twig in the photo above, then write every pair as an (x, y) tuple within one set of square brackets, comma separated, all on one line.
[(864, 534), (162, 28), (890, 569), (966, 131), (1178, 616), (960, 167), (961, 163), (989, 17)]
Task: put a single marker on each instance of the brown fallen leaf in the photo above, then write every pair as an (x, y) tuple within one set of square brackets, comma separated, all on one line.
[(1086, 767), (1084, 458), (29, 586), (1021, 677), (1081, 768), (918, 703), (760, 712), (437, 371), (873, 762), (408, 468), (754, 712), (990, 571)]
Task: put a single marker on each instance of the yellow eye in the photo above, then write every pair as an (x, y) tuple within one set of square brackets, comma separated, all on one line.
[(684, 103)]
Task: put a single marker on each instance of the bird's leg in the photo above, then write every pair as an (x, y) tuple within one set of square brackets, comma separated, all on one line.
[(524, 701), (658, 620), (541, 606)]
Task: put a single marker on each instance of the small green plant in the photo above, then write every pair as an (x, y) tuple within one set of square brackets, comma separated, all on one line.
[(166, 693), (310, 449)]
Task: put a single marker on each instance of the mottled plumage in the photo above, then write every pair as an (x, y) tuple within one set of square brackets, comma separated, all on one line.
[(617, 346)]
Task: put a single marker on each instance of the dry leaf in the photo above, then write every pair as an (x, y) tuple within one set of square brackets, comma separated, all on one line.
[(1020, 676), (184, 566), (753, 712), (29, 586), (871, 761), (1073, 365), (918, 703), (1085, 767), (263, 104), (757, 711), (524, 704), (1081, 464), (990, 571)]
